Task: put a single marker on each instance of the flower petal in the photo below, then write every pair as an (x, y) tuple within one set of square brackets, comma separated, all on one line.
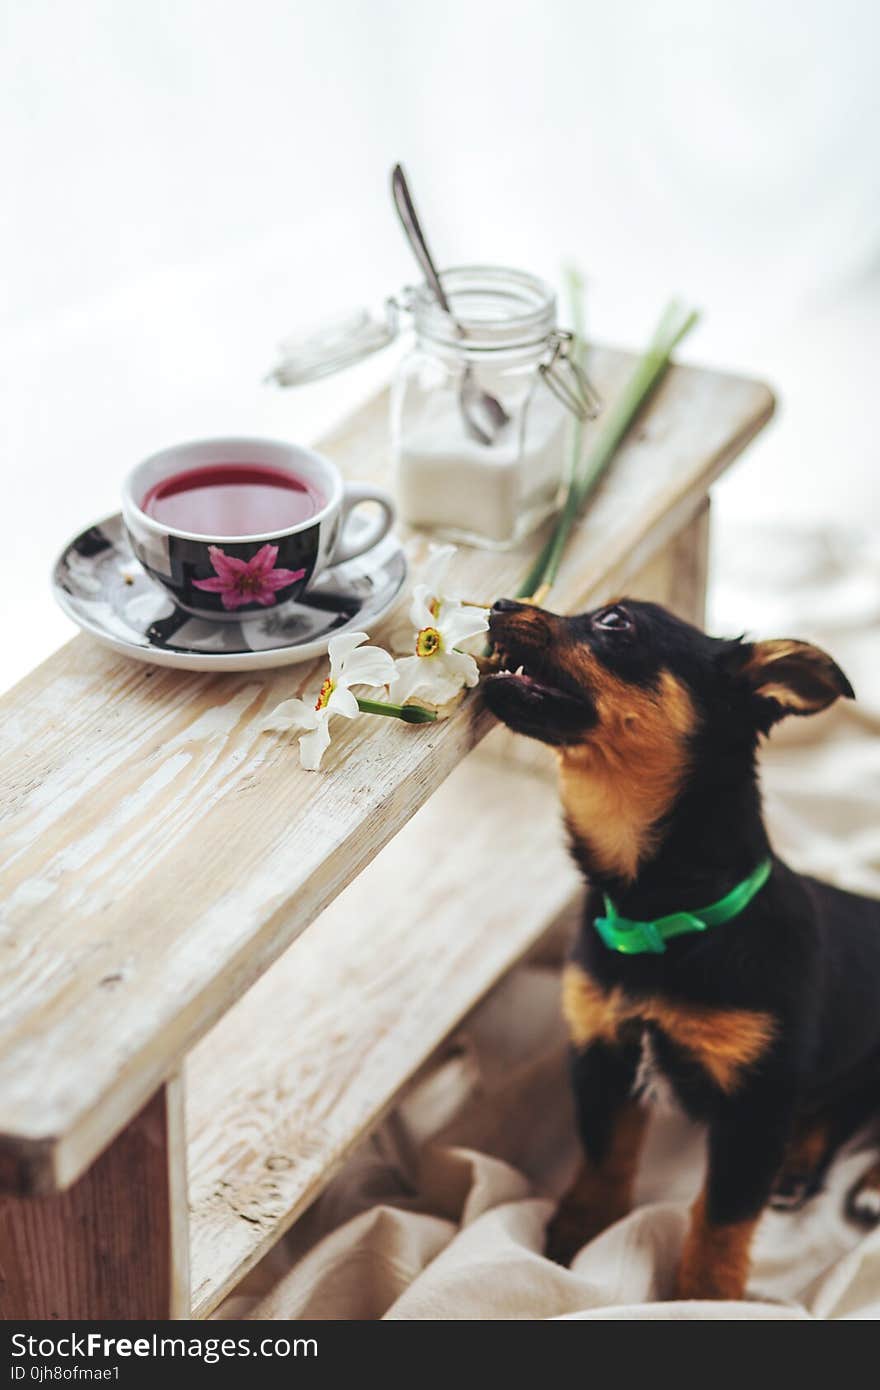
[(266, 598), (291, 714), (408, 674), (343, 702), (278, 579), (445, 681), (264, 560), (475, 646), (367, 666), (435, 681), (212, 586), (341, 646), (312, 746), (461, 667), (234, 598), (420, 608), (402, 637), (457, 624), (227, 566)]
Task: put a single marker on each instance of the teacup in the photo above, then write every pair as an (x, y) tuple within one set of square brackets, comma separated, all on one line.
[(228, 577)]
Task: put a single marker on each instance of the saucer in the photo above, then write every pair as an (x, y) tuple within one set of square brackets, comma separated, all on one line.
[(102, 587)]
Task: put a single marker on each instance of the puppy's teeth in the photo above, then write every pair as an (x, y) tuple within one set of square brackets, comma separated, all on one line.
[(520, 671)]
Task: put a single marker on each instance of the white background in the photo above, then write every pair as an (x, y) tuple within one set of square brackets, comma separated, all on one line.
[(185, 182)]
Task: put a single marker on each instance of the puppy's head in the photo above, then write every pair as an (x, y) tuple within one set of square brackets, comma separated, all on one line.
[(641, 707), (630, 674)]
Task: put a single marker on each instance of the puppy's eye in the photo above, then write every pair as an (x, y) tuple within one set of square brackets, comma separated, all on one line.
[(613, 620)]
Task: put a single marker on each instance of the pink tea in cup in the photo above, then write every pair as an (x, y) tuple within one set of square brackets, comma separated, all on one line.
[(232, 499)]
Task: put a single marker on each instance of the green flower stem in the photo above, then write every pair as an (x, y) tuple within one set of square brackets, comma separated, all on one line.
[(410, 714), (574, 498), (574, 283), (574, 290), (646, 375)]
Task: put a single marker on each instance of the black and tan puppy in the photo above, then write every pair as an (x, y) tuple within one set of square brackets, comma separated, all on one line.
[(753, 990)]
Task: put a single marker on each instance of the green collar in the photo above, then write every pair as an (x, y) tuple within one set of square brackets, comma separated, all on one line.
[(637, 938)]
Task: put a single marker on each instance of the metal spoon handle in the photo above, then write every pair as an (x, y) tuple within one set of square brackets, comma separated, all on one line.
[(482, 414), (411, 225)]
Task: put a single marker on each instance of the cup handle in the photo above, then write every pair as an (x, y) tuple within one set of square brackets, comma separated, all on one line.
[(380, 525)]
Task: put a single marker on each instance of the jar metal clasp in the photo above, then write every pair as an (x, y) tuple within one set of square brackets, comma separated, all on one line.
[(567, 379)]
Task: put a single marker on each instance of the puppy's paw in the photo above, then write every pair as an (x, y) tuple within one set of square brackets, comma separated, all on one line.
[(565, 1235), (803, 1167), (863, 1199), (575, 1225), (794, 1190)]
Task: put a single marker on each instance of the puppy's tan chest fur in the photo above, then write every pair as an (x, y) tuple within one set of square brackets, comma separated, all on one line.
[(617, 790), (612, 819), (725, 1042)]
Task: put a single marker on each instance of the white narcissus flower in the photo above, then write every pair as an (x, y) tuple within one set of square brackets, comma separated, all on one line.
[(434, 575), (431, 576), (350, 664), (438, 671)]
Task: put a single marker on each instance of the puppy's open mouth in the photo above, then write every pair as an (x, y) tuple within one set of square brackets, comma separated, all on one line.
[(526, 677), (533, 694)]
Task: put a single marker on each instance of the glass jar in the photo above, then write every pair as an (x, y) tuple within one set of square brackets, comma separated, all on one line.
[(487, 487), (494, 491)]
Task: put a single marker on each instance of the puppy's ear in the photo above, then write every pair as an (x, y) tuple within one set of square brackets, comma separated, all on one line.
[(787, 677)]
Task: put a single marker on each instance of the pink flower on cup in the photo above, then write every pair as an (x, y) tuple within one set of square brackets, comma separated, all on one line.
[(247, 581)]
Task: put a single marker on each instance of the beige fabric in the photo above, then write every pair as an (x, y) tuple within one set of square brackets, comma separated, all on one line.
[(441, 1215)]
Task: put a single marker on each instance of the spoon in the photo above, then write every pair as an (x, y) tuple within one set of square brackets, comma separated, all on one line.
[(484, 416)]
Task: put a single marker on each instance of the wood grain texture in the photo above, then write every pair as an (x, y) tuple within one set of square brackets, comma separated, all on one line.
[(115, 1245), (309, 1061), (159, 852)]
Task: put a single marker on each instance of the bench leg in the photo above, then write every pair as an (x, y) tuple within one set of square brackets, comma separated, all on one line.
[(677, 576), (690, 569), (116, 1243)]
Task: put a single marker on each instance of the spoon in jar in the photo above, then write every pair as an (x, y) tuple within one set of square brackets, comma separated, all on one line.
[(484, 416)]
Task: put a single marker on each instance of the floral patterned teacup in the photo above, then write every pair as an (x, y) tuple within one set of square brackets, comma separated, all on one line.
[(227, 578)]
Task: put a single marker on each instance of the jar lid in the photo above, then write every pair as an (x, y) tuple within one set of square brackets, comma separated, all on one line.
[(328, 346)]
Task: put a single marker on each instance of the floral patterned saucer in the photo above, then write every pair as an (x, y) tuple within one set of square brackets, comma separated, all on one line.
[(102, 587)]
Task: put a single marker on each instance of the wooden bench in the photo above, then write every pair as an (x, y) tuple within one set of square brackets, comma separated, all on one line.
[(160, 1033)]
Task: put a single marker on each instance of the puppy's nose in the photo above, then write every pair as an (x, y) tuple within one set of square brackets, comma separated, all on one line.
[(506, 605)]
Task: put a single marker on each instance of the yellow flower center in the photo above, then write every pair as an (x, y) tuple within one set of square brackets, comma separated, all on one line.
[(429, 642), (434, 608), (324, 694)]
